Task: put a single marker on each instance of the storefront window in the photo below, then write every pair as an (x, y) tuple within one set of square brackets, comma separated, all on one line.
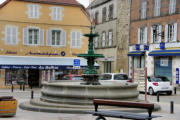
[(16, 77)]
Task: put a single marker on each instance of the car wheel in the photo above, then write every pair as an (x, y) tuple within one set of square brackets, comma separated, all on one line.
[(100, 118), (169, 93), (151, 91)]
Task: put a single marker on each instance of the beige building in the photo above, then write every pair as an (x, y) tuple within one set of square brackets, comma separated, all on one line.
[(112, 24)]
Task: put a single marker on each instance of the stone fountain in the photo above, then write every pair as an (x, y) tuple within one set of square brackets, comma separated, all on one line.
[(77, 96)]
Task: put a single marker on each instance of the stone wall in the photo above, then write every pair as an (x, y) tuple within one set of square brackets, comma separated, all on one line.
[(123, 23)]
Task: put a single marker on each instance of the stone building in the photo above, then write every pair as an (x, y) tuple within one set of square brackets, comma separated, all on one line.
[(155, 38), (112, 24), (40, 39)]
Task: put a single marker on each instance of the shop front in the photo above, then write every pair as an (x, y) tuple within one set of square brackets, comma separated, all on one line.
[(33, 71)]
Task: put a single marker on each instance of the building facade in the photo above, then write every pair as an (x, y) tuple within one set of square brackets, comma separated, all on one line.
[(154, 38), (39, 40), (112, 24)]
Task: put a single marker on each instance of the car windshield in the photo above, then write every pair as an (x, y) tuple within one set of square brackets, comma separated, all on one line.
[(77, 78), (106, 77), (120, 77)]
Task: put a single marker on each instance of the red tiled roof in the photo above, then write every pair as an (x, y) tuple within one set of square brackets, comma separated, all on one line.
[(64, 2)]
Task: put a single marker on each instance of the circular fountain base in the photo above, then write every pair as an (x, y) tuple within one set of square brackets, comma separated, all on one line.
[(72, 97), (74, 93)]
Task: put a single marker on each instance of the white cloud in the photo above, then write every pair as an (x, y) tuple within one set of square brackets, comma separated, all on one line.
[(1, 1), (84, 2)]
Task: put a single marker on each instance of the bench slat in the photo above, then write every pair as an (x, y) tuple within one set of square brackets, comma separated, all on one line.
[(123, 104), (127, 115)]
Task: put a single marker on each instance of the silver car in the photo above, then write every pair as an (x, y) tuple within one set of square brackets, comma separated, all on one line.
[(121, 77)]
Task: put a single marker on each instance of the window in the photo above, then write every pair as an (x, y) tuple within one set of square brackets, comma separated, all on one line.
[(33, 36), (156, 33), (163, 61), (172, 6), (142, 35), (111, 7), (103, 39), (171, 32), (75, 39), (104, 15), (11, 35), (33, 11), (97, 17), (56, 37), (107, 67), (56, 13), (110, 38), (16, 77), (143, 10), (95, 42), (139, 62), (157, 7)]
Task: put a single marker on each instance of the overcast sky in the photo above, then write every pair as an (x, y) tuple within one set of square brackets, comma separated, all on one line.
[(84, 2)]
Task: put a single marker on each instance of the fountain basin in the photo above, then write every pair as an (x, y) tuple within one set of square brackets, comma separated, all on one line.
[(72, 92)]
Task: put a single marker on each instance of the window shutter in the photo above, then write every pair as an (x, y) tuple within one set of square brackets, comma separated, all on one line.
[(159, 36), (48, 38), (58, 13), (174, 6), (54, 13), (13, 36), (25, 36), (138, 35), (31, 11), (78, 35), (73, 38), (151, 34), (41, 40), (175, 32), (110, 38), (63, 38), (145, 35), (166, 33), (159, 7), (8, 35)]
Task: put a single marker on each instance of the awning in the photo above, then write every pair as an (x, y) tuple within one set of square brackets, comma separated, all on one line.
[(136, 53), (165, 53), (26, 62)]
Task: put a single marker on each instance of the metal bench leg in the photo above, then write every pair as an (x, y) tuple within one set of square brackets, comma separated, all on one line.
[(100, 118)]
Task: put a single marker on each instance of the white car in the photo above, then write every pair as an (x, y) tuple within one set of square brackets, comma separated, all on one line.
[(121, 77), (159, 84)]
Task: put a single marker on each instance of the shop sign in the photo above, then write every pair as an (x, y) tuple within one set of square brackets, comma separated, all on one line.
[(11, 52), (146, 47), (76, 64), (177, 75), (162, 46), (137, 46)]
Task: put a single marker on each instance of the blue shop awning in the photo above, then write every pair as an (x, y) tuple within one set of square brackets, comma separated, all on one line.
[(27, 62), (165, 53), (136, 53)]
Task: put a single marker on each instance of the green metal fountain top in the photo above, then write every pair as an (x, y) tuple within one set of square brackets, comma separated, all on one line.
[(91, 56)]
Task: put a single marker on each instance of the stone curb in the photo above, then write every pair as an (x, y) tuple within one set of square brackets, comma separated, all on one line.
[(28, 106)]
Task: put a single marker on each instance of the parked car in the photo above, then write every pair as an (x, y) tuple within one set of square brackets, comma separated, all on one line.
[(121, 77), (159, 84), (72, 77)]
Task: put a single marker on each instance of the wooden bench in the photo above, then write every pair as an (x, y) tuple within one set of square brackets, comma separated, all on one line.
[(118, 114)]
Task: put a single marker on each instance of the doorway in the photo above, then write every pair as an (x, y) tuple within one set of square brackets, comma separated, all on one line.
[(33, 78)]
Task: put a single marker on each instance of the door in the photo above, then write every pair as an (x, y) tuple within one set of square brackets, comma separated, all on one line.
[(33, 78)]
